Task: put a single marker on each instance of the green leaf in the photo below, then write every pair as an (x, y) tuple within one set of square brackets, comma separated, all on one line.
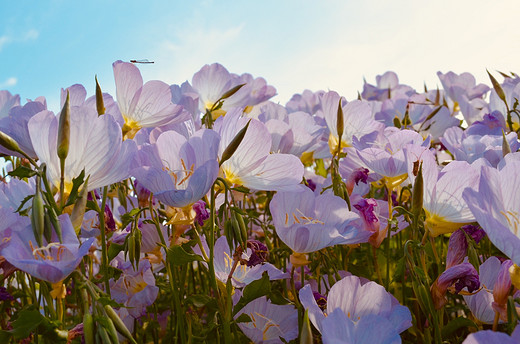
[(243, 318), (253, 291), (306, 332), (178, 256), (455, 324), (26, 323), (76, 183), (22, 172), (277, 298), (129, 217), (113, 250)]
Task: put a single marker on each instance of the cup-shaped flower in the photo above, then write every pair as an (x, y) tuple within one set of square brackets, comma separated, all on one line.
[(269, 322), (446, 210), (52, 262), (496, 206), (95, 146), (357, 120), (307, 223), (357, 300), (387, 156), (179, 171), (147, 105), (135, 289), (252, 165)]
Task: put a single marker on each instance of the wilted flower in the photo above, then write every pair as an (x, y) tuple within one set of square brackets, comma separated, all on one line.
[(459, 277)]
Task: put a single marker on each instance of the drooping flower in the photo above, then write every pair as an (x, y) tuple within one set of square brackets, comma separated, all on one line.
[(307, 223), (54, 260), (356, 300), (177, 170), (458, 276)]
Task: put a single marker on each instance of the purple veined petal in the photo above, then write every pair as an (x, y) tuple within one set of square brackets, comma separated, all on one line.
[(287, 204), (77, 95), (128, 81), (338, 328), (211, 81), (43, 129), (495, 206), (53, 262), (270, 322), (308, 301), (154, 106), (8, 101), (277, 172), (281, 135), (16, 126), (369, 298)]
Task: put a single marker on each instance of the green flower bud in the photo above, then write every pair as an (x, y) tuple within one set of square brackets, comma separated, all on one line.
[(100, 105), (233, 145), (64, 130)]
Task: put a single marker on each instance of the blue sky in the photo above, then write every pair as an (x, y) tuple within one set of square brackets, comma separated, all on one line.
[(294, 45)]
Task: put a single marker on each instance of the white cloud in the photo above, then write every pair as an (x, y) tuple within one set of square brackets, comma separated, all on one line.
[(31, 35), (191, 48), (4, 40), (9, 82)]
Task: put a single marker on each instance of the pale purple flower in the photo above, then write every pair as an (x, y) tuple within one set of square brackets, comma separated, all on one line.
[(307, 101), (177, 170), (269, 322), (387, 86), (338, 328), (147, 105), (52, 262), (358, 121), (95, 146), (472, 147), (493, 337), (252, 165), (15, 125), (356, 300), (496, 206), (135, 289), (243, 273), (307, 222), (8, 101)]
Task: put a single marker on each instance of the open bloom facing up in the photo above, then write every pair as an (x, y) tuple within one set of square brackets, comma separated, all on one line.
[(147, 105), (95, 145), (387, 157), (356, 300), (177, 170), (307, 223), (252, 165), (357, 120), (54, 260)]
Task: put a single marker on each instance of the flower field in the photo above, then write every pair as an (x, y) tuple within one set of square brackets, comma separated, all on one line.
[(206, 213)]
